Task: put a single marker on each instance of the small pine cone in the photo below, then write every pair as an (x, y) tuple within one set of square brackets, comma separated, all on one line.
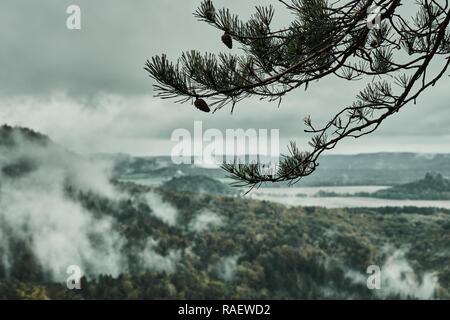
[(201, 105), (226, 39)]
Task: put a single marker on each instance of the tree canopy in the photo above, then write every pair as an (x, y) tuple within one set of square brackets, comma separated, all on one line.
[(395, 61)]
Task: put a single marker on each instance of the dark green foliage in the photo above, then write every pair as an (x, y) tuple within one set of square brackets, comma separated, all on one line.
[(9, 134), (276, 252), (281, 252), (19, 168), (199, 184), (432, 187)]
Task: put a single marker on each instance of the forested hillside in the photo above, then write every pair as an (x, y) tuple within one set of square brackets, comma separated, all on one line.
[(136, 242), (200, 184), (432, 187)]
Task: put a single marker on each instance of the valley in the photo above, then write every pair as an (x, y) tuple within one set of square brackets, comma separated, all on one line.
[(192, 238)]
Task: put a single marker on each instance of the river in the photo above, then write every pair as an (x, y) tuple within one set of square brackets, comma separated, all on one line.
[(292, 197)]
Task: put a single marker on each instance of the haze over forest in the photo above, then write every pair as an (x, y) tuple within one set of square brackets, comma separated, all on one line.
[(87, 178)]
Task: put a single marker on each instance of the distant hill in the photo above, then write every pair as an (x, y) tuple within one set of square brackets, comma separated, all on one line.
[(14, 144), (24, 151), (377, 168), (127, 167), (10, 136), (334, 170), (199, 184), (432, 187)]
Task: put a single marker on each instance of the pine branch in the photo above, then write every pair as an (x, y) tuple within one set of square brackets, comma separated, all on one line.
[(324, 39)]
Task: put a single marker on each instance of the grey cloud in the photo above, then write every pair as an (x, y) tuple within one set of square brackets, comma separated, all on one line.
[(142, 125), (87, 88), (40, 55), (59, 230)]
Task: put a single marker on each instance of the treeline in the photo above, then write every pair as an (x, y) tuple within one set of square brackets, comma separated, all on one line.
[(261, 250), (432, 187)]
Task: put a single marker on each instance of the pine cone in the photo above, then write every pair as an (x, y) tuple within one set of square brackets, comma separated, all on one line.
[(226, 39), (375, 43), (201, 105)]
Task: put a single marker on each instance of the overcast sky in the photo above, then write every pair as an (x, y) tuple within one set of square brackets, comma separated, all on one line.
[(87, 88)]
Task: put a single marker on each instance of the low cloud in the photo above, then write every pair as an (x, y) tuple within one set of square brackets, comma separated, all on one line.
[(205, 221), (157, 262), (398, 278), (162, 210), (37, 210), (227, 267)]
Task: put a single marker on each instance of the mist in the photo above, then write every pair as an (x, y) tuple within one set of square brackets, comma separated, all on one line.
[(36, 209), (205, 220), (398, 278)]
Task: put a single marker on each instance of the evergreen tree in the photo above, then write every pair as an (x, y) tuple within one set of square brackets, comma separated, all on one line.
[(395, 60)]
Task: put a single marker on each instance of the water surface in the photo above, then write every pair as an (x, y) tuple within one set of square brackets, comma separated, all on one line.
[(304, 196)]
